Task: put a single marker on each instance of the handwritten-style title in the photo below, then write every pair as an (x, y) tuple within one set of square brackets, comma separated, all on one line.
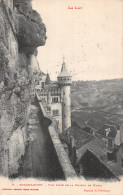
[(75, 7)]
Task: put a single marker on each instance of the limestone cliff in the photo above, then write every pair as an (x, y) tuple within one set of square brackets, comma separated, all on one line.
[(21, 32)]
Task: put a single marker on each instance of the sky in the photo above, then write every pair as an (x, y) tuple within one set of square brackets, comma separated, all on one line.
[(90, 38)]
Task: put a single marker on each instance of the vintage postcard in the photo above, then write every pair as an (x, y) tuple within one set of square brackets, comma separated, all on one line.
[(61, 97)]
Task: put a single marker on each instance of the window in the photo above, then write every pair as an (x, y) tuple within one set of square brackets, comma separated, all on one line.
[(42, 84), (55, 112), (55, 100), (48, 109)]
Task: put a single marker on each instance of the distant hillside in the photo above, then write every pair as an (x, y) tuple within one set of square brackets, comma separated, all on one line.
[(105, 95)]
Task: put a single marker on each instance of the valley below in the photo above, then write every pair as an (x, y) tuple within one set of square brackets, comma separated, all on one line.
[(95, 103)]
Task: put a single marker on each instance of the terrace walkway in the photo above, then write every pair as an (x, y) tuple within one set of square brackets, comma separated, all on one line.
[(40, 160)]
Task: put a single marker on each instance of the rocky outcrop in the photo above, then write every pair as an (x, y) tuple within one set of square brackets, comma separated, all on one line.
[(21, 32), (30, 30)]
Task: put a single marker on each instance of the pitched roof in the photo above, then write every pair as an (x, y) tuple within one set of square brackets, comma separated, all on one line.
[(111, 166), (64, 72), (97, 147), (81, 137), (48, 81)]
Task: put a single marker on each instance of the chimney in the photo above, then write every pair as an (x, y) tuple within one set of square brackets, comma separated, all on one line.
[(71, 145)]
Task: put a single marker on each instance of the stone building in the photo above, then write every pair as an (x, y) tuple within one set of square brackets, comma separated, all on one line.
[(56, 97)]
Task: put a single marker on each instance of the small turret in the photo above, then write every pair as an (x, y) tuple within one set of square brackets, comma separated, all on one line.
[(48, 81)]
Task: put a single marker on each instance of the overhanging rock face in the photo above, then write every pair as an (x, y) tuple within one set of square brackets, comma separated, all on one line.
[(30, 29), (21, 32)]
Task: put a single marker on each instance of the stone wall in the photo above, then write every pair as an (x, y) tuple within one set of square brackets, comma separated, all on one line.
[(21, 32), (63, 159)]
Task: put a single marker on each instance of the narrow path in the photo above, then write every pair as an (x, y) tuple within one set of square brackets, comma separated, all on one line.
[(43, 158)]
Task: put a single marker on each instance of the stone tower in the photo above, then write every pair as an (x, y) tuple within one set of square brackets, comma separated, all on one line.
[(64, 81)]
